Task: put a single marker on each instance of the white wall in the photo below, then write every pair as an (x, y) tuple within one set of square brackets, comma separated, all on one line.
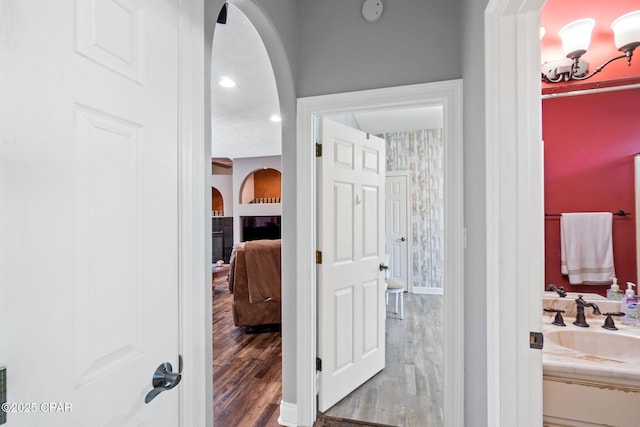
[(472, 30)]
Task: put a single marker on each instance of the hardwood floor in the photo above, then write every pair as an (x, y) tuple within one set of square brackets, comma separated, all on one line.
[(247, 372)]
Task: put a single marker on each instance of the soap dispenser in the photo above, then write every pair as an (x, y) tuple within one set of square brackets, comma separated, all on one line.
[(629, 306), (614, 293)]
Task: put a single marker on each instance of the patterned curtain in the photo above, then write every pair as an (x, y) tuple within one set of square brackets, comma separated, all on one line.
[(421, 153)]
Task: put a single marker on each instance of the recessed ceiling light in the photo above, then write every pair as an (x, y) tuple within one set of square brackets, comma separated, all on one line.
[(227, 82), (275, 118)]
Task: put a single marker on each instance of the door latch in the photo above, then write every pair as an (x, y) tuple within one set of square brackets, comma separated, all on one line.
[(164, 379)]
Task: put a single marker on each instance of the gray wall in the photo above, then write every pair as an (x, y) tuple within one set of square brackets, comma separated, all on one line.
[(415, 41), (472, 26)]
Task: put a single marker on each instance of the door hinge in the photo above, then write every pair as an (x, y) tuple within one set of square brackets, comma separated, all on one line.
[(367, 136), (318, 150), (318, 364), (536, 340), (318, 257)]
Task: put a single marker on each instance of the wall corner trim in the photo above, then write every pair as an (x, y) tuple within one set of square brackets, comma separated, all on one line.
[(288, 414)]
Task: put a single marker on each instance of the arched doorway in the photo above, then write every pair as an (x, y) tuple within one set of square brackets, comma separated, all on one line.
[(285, 96)]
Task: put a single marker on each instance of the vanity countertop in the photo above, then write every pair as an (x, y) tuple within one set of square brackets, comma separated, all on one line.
[(560, 361)]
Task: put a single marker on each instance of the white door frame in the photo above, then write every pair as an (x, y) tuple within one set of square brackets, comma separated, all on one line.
[(407, 174), (194, 296), (449, 95), (514, 194)]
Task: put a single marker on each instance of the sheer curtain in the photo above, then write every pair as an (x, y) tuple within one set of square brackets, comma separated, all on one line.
[(421, 153)]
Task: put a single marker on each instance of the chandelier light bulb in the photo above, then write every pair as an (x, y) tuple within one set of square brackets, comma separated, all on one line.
[(626, 30), (576, 37)]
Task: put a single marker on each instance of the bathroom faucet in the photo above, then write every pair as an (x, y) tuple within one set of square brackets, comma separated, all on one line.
[(561, 292), (580, 305)]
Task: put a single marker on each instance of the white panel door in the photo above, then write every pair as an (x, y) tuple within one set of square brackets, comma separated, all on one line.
[(351, 312), (89, 187), (397, 226)]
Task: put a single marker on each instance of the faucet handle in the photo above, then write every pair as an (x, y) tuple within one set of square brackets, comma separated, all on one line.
[(608, 322), (561, 292), (558, 320)]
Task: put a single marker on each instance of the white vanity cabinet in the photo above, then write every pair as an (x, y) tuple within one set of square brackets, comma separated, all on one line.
[(582, 401)]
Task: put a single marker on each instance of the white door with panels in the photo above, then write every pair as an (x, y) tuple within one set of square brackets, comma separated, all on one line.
[(351, 310), (397, 232), (89, 183)]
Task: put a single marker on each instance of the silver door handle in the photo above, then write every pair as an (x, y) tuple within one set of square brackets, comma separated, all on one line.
[(164, 379)]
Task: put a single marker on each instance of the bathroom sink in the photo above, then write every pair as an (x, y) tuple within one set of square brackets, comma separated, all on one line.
[(599, 343)]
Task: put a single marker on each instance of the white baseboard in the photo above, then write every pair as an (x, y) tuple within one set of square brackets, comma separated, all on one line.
[(288, 414), (429, 291)]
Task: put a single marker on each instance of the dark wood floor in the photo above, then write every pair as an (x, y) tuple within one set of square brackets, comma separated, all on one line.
[(247, 372)]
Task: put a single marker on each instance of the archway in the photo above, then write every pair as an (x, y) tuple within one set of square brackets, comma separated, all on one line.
[(286, 98)]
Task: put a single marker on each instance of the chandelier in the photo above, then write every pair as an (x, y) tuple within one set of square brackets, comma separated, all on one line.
[(576, 37)]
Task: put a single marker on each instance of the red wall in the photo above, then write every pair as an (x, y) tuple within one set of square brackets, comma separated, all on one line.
[(589, 146)]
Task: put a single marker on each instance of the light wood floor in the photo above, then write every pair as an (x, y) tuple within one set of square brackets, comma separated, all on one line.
[(247, 372), (409, 390)]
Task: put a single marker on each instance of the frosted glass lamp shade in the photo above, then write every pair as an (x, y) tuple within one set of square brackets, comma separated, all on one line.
[(626, 31), (576, 37)]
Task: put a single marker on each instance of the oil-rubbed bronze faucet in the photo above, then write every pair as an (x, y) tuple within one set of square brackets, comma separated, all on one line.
[(580, 305), (561, 292), (558, 320), (608, 322)]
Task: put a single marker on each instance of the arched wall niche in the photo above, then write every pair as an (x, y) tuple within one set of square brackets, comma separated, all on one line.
[(217, 202), (262, 186)]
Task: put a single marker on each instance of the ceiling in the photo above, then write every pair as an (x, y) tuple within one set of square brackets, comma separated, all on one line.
[(240, 116), (379, 122), (557, 13)]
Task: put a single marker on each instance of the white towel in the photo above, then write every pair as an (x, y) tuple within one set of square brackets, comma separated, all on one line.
[(586, 248)]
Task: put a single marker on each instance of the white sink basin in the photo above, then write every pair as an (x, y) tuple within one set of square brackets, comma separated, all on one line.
[(598, 342)]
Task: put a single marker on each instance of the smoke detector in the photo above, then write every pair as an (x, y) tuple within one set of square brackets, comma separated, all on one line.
[(372, 10)]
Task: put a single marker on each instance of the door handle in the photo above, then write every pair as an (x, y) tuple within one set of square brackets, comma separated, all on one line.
[(383, 267), (164, 379), (402, 239)]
